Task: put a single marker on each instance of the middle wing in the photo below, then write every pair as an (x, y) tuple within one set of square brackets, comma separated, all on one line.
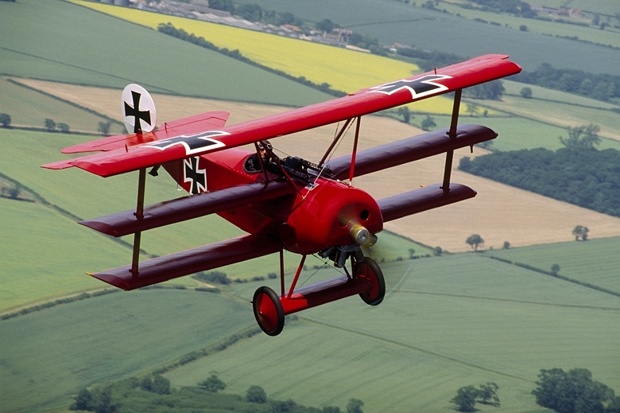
[(370, 100)]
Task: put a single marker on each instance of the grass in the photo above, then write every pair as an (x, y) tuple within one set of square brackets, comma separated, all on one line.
[(392, 22), (577, 260), (446, 322), (164, 65), (29, 107), (316, 62), (549, 28), (46, 356)]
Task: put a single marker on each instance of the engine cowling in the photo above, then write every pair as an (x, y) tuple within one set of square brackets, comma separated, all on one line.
[(330, 214)]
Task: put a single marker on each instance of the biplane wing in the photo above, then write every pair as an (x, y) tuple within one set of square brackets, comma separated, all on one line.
[(189, 207), (204, 258), (174, 146), (410, 149)]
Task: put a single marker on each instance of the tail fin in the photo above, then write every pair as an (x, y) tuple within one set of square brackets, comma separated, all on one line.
[(138, 109)]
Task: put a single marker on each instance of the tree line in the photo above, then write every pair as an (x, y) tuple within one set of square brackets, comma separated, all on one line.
[(154, 393), (578, 173), (604, 87)]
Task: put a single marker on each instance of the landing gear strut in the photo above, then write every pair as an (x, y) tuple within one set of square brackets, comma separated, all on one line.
[(365, 279)]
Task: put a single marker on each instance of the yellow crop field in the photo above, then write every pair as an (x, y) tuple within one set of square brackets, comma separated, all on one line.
[(342, 69)]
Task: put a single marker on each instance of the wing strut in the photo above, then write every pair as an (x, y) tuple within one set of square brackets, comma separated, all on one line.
[(335, 141), (452, 135), (358, 121), (139, 215)]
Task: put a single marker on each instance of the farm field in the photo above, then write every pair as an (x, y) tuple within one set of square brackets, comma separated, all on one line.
[(446, 322), (589, 33), (577, 260), (47, 355), (168, 65), (391, 22), (316, 62)]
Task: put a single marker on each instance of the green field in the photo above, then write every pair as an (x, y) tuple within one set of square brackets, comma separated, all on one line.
[(446, 322), (395, 22), (47, 355), (127, 53)]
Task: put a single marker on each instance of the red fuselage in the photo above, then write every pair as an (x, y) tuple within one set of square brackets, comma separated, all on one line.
[(321, 213)]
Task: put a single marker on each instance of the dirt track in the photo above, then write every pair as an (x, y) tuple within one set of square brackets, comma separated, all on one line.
[(499, 213)]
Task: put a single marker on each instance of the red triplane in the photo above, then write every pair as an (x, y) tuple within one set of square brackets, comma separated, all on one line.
[(283, 204)]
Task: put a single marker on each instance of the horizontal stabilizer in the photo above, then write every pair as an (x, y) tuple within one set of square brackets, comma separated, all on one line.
[(410, 149), (188, 207), (189, 125), (176, 265), (422, 199)]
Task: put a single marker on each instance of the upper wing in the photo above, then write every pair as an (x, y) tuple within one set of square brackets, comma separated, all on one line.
[(365, 101)]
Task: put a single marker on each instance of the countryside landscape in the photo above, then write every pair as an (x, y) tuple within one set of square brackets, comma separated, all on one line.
[(530, 298)]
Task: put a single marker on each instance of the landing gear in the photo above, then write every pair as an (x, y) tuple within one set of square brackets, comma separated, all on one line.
[(268, 311), (369, 270), (365, 279)]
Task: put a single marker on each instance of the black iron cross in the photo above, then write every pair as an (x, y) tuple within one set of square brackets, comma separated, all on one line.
[(193, 144), (194, 175), (418, 87), (135, 111)]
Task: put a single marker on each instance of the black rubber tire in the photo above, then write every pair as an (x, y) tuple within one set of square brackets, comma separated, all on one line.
[(268, 311), (370, 270)]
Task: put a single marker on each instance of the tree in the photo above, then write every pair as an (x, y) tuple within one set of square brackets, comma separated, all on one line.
[(160, 385), (50, 125), (405, 113), (411, 253), (581, 232), (472, 108), (428, 123), (474, 241), (488, 394), (572, 391), (104, 128), (582, 137), (256, 394), (326, 26), (526, 93), (63, 127), (251, 12), (83, 400), (355, 406), (5, 120), (213, 384), (465, 399), (555, 269)]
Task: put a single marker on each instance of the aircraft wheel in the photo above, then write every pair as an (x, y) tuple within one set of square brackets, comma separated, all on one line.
[(268, 311), (369, 270)]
